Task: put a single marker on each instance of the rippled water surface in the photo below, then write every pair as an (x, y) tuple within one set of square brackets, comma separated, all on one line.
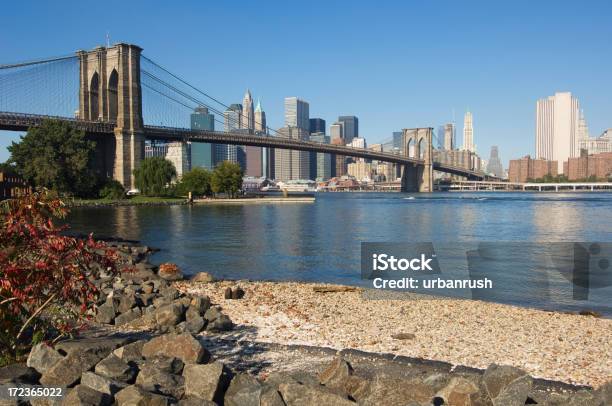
[(321, 241)]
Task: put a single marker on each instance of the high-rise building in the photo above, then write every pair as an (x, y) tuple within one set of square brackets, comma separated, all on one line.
[(248, 114), (468, 133), (449, 137), (290, 164), (320, 163), (494, 166), (260, 119), (297, 113), (317, 125), (362, 171), (350, 126), (202, 153), (440, 137), (558, 128), (336, 130), (261, 128), (339, 167), (232, 119)]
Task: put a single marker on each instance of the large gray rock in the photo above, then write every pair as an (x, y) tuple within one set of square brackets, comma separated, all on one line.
[(135, 396), (244, 390), (101, 383), (127, 302), (106, 313), (82, 395), (200, 304), (507, 385), (128, 316), (396, 391), (69, 369), (18, 373), (206, 382), (169, 315), (336, 374), (114, 368), (295, 394), (271, 397), (42, 357), (130, 352), (194, 321), (197, 402), (153, 379), (171, 365), (460, 391), (203, 277), (222, 323), (101, 346), (183, 346), (212, 314)]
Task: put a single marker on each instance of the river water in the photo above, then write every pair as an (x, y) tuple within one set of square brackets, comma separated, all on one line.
[(321, 241)]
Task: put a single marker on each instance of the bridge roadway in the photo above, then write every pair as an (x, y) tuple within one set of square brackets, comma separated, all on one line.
[(21, 122)]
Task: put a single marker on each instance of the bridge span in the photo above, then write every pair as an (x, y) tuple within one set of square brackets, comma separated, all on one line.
[(110, 110)]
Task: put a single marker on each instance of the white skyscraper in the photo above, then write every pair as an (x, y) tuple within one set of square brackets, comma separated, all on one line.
[(248, 115), (297, 113), (558, 128), (468, 133)]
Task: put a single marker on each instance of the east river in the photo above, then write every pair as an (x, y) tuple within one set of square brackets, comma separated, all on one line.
[(321, 241)]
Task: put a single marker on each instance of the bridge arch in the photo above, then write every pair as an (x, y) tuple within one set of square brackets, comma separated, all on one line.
[(113, 95), (94, 96), (421, 148), (410, 148)]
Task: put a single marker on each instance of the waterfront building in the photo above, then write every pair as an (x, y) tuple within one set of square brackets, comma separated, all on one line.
[(291, 164), (558, 128), (526, 168), (449, 136), (494, 165), (468, 133), (460, 158), (350, 126), (317, 125), (297, 113), (586, 166), (202, 153), (320, 163), (387, 170), (362, 171)]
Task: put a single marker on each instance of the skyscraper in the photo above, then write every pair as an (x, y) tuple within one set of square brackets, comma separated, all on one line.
[(320, 163), (495, 166), (260, 119), (202, 153), (336, 130), (248, 115), (297, 113), (558, 128), (468, 133), (257, 157), (232, 119), (449, 137), (290, 164), (317, 125), (351, 127)]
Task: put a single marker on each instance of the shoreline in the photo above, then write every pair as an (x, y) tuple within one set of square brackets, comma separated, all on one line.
[(548, 345)]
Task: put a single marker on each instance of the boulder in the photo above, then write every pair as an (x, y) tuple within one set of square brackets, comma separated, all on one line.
[(18, 373), (113, 367), (69, 369), (336, 374), (106, 313), (200, 304), (171, 365), (244, 390), (206, 382), (169, 272), (237, 293), (396, 391), (127, 302), (135, 396), (101, 346), (169, 315), (198, 402), (459, 391), (223, 323), (42, 357), (153, 379), (82, 395), (130, 352), (271, 397), (507, 385), (101, 383), (194, 321), (295, 394), (169, 293), (228, 293), (183, 346), (203, 277), (128, 316), (212, 314)]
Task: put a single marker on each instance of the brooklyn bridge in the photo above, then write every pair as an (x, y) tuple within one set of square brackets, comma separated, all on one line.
[(120, 98)]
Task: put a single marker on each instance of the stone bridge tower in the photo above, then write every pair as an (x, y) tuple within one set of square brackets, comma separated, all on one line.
[(417, 143), (109, 90)]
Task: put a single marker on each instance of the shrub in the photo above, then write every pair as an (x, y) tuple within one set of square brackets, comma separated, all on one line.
[(112, 190), (46, 287)]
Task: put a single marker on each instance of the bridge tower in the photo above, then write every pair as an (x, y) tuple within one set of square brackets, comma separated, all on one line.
[(109, 90), (417, 143)]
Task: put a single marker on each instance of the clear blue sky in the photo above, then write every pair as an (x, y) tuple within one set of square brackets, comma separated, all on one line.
[(393, 64)]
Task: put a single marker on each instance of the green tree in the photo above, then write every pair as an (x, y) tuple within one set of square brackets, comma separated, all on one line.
[(154, 175), (196, 181), (56, 156), (226, 178), (112, 190)]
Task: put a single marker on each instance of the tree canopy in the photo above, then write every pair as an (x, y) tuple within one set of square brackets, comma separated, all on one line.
[(227, 178), (56, 156), (154, 176), (196, 181)]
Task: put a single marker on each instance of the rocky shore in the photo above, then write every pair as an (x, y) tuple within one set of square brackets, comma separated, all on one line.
[(156, 339)]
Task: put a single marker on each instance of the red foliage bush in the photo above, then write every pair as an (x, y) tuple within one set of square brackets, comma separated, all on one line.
[(45, 277)]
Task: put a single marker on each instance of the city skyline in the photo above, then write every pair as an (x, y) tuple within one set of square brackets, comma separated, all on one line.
[(535, 56)]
